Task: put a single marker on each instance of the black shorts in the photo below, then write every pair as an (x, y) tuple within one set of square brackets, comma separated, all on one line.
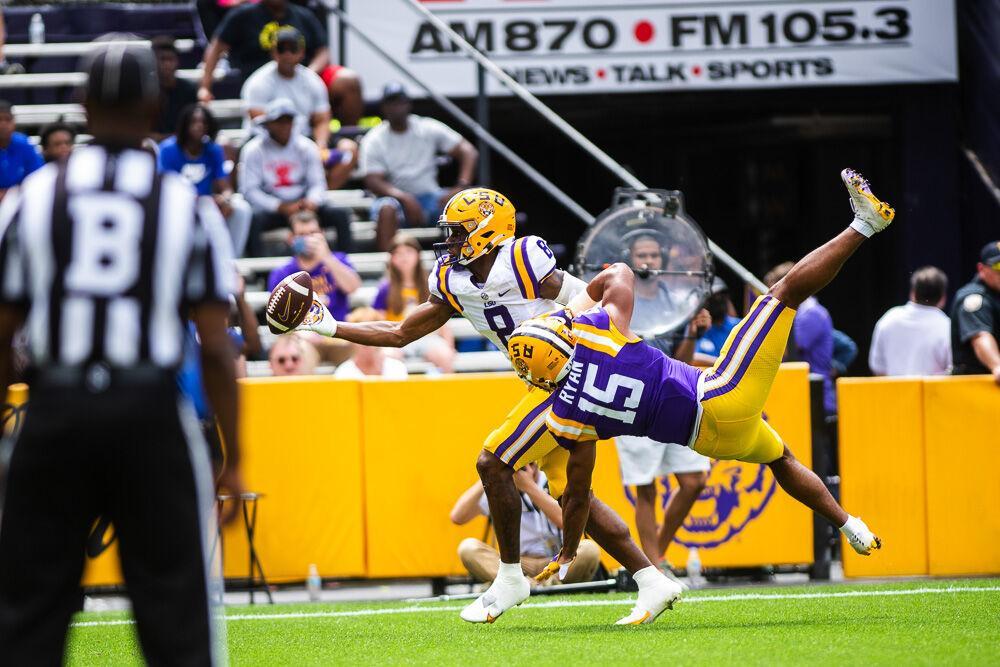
[(132, 455)]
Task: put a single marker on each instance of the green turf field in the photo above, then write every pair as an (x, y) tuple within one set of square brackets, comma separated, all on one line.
[(922, 622)]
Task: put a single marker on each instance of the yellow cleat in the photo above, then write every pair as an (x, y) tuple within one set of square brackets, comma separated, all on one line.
[(871, 214)]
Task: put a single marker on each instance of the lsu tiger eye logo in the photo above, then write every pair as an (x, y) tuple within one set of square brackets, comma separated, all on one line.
[(520, 365), (734, 496), (486, 209)]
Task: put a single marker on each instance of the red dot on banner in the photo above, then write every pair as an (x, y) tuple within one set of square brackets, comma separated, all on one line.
[(696, 70), (643, 31), (601, 74)]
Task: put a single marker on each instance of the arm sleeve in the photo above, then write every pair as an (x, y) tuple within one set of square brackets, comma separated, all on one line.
[(445, 138), (975, 315), (543, 261), (252, 180), (211, 276), (12, 282)]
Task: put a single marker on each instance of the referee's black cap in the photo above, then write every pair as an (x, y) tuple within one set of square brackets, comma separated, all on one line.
[(121, 75)]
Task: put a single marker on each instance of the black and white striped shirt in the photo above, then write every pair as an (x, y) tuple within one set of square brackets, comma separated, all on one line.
[(106, 255)]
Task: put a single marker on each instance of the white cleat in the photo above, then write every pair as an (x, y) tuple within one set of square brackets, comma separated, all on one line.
[(871, 215), (497, 599), (860, 537), (668, 572), (653, 601)]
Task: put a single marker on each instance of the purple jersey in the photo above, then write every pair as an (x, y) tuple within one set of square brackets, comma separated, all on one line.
[(621, 386)]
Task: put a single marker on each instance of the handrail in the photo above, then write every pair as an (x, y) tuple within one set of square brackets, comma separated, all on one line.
[(567, 129), (471, 124)]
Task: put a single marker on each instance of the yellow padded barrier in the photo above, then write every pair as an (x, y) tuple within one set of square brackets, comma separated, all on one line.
[(302, 449), (882, 472), (422, 437), (742, 518), (962, 426)]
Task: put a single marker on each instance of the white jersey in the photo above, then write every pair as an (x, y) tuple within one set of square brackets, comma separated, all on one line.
[(510, 294)]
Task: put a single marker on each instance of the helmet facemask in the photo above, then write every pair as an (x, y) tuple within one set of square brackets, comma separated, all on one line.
[(456, 246)]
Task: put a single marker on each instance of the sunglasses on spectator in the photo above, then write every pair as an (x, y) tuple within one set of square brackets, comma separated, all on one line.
[(287, 47), (294, 359)]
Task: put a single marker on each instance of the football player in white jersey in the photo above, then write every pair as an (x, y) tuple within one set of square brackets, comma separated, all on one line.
[(497, 282)]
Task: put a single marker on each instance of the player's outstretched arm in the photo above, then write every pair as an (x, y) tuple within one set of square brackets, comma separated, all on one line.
[(426, 318), (576, 497), (614, 288)]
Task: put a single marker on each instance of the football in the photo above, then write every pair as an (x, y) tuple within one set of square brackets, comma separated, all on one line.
[(289, 303)]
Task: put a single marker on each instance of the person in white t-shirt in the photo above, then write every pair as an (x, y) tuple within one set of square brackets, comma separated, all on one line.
[(915, 338), (369, 361), (286, 77), (541, 534), (398, 159), (281, 174)]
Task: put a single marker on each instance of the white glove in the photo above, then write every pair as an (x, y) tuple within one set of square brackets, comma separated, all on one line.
[(319, 320)]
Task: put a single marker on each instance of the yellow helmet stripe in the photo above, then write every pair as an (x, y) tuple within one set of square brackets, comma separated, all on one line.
[(443, 272), (521, 269)]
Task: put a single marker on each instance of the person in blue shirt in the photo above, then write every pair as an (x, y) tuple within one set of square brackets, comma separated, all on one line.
[(194, 154), (721, 309), (18, 157)]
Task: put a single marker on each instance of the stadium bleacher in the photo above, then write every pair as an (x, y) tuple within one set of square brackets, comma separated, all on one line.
[(475, 354)]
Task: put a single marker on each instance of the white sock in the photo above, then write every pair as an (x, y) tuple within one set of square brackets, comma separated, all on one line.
[(862, 227), (647, 576), (510, 571)]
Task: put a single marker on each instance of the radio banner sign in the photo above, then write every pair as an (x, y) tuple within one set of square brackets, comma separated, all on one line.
[(590, 46)]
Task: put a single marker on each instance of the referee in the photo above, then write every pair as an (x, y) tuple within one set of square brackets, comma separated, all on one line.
[(103, 260)]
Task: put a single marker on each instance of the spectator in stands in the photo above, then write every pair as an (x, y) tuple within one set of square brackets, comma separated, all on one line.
[(975, 318), (403, 289), (286, 77), (398, 159), (175, 93), (915, 338), (57, 140), (18, 157), (369, 361), (281, 174), (333, 276), (247, 35), (291, 354), (720, 309), (812, 334), (193, 153), (541, 526)]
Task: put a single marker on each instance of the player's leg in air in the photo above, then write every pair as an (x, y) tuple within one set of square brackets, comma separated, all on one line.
[(521, 439), (735, 388)]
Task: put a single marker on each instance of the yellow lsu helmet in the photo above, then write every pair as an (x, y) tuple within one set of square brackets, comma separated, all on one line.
[(477, 221), (540, 349)]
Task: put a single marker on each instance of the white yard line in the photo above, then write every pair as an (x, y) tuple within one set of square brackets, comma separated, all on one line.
[(422, 609)]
